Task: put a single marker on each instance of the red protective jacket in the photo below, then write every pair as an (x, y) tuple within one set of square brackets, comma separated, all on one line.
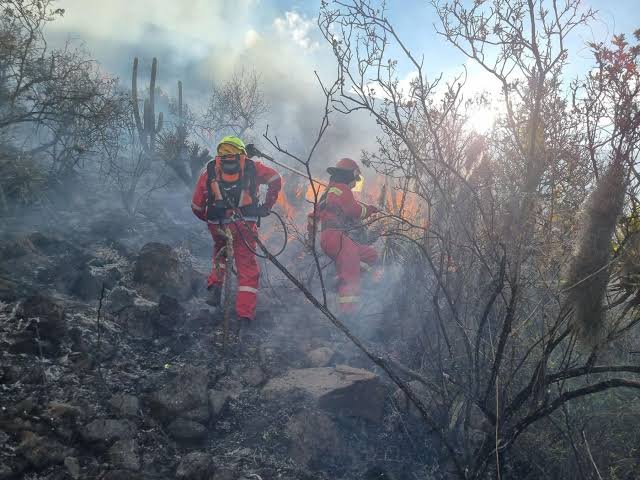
[(339, 209), (264, 176)]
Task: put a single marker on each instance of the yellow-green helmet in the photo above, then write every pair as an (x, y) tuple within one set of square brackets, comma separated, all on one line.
[(235, 141)]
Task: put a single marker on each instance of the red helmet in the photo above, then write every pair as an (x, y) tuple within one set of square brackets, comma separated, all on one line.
[(345, 164)]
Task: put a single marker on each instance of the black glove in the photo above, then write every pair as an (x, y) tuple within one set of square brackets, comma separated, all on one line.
[(252, 150), (263, 211)]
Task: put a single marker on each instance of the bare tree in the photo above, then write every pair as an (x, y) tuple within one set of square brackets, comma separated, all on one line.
[(58, 98), (236, 105)]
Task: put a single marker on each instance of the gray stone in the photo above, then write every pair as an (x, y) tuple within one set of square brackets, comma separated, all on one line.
[(120, 298), (73, 467), (188, 430), (195, 466), (200, 414), (42, 452), (312, 435), (171, 315), (186, 391), (124, 454), (320, 357), (125, 404), (253, 376), (50, 314), (133, 312), (63, 411), (159, 266), (342, 390), (6, 472), (217, 400), (107, 430)]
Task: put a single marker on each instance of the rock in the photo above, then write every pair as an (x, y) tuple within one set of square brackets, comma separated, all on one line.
[(186, 391), (42, 452), (73, 467), (253, 376), (11, 290), (188, 430), (136, 314), (63, 411), (51, 316), (195, 466), (6, 472), (169, 306), (121, 474), (159, 266), (107, 430), (200, 414), (342, 390), (86, 285), (124, 454), (126, 405), (320, 357), (224, 474), (120, 298), (171, 315), (217, 400), (312, 436), (40, 327)]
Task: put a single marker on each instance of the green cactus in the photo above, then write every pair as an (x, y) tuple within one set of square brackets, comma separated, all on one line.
[(147, 127)]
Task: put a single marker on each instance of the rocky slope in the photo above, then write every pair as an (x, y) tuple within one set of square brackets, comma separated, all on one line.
[(113, 367)]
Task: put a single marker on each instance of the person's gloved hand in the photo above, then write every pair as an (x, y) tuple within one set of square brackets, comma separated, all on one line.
[(263, 211), (252, 151)]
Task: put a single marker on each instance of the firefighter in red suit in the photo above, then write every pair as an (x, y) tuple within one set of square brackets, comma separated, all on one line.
[(337, 213), (226, 196)]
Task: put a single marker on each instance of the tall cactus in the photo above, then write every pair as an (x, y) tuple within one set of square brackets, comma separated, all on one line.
[(147, 127)]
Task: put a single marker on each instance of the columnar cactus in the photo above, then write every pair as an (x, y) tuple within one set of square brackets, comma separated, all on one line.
[(147, 127)]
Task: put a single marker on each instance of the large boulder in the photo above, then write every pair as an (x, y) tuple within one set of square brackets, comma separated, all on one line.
[(312, 436), (185, 392), (159, 266), (342, 390)]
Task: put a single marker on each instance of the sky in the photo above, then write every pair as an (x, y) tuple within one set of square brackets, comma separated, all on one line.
[(204, 41)]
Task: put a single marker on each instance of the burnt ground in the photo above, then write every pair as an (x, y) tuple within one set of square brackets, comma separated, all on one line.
[(112, 366)]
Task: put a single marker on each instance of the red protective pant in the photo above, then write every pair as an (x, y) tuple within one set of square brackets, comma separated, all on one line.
[(347, 255), (246, 265)]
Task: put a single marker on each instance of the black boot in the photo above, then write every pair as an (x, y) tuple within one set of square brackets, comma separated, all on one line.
[(214, 295), (245, 329)]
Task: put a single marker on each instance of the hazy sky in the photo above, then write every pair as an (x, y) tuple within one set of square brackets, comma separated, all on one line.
[(203, 41)]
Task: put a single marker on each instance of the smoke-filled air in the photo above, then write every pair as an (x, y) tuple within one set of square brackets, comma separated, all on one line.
[(334, 240)]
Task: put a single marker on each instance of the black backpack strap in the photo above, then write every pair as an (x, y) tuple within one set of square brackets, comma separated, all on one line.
[(211, 175), (249, 181)]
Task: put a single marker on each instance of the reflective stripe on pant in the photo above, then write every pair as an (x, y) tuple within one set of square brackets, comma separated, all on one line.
[(246, 264), (347, 255)]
